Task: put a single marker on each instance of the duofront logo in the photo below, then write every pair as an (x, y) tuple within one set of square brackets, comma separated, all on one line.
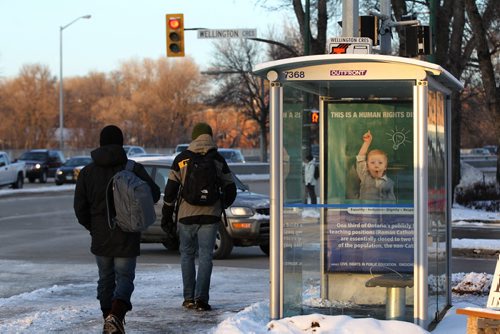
[(341, 73)]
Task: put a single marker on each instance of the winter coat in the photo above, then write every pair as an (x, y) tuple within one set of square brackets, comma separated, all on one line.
[(90, 202), (194, 214)]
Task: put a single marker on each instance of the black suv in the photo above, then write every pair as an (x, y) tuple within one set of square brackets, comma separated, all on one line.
[(41, 164)]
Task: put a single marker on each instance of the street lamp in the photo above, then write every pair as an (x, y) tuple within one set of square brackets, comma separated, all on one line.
[(61, 91)]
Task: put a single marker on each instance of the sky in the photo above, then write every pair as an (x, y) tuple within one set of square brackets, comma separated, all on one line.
[(119, 30)]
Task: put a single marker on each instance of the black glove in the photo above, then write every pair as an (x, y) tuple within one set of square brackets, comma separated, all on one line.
[(169, 227), (167, 220)]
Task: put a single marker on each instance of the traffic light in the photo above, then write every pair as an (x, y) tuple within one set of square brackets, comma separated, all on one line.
[(314, 117), (417, 41), (175, 35), (368, 27)]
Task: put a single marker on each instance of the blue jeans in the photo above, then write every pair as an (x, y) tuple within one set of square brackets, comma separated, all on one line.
[(192, 238), (116, 280)]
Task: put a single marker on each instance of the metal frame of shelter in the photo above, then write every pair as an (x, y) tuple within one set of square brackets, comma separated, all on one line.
[(365, 257)]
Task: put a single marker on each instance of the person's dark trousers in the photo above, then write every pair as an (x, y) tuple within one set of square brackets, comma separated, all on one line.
[(115, 284), (312, 194)]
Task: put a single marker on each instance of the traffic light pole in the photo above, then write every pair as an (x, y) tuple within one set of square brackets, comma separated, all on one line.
[(350, 14)]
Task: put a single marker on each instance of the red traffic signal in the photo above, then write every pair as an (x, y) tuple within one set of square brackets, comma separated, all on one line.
[(314, 117), (174, 23), (175, 35)]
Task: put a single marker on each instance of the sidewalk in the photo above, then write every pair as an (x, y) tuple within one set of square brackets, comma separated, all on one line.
[(240, 299), (157, 299)]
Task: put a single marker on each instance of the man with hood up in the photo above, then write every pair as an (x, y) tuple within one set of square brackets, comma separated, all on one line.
[(198, 225), (115, 251)]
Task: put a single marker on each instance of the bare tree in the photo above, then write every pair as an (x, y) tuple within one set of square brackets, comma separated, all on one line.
[(81, 95), (29, 109), (485, 56), (238, 87), (152, 100)]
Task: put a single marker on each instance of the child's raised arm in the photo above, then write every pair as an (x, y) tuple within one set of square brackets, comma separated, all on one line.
[(367, 140)]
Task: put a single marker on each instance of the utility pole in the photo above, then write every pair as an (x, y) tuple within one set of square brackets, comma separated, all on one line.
[(307, 29), (350, 21), (306, 128)]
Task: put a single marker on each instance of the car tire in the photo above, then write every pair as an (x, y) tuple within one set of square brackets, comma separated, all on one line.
[(43, 177), (31, 179), (58, 183), (223, 244), (265, 248), (19, 182)]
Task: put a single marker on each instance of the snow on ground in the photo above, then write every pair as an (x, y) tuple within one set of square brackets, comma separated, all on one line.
[(240, 303), (463, 215)]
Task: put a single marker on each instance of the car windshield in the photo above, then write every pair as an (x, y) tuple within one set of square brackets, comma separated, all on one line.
[(33, 156), (239, 184), (181, 147), (73, 162), (231, 156)]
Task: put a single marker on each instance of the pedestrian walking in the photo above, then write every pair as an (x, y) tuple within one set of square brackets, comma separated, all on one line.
[(309, 179), (115, 251), (204, 183)]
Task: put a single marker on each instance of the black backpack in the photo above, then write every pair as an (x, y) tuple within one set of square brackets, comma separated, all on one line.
[(201, 186)]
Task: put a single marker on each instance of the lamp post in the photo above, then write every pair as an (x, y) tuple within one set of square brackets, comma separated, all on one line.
[(61, 91)]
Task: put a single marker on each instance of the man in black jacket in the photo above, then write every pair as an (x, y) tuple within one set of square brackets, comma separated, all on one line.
[(198, 224), (115, 251)]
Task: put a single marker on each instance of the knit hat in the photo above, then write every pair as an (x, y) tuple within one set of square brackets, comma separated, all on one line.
[(201, 129), (111, 134)]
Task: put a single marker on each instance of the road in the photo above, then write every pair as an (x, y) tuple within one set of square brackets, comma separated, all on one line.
[(42, 229)]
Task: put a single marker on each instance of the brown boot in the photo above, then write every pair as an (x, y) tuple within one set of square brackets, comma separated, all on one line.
[(119, 308)]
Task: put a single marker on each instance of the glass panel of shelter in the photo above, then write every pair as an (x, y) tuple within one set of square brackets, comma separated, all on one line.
[(437, 230), (368, 234)]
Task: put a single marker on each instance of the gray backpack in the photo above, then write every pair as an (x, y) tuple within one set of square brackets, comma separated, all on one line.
[(132, 200)]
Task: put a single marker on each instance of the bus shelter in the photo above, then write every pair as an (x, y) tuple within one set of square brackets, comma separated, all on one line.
[(378, 242)]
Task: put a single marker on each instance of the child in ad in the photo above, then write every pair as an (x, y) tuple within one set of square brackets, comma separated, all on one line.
[(371, 168)]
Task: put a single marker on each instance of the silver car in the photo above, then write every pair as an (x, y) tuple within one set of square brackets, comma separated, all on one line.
[(247, 218)]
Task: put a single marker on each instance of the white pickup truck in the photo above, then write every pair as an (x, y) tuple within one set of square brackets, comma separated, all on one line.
[(11, 174)]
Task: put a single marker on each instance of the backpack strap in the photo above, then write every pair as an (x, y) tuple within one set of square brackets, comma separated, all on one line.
[(111, 223), (130, 165), (226, 224)]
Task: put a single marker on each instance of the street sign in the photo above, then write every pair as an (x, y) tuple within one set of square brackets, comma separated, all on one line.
[(227, 33), (350, 45)]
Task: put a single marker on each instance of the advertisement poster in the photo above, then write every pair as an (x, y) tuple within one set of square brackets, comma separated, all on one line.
[(369, 182), (370, 240)]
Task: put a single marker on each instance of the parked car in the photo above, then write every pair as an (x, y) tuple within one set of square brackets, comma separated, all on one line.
[(181, 147), (133, 150), (41, 164), (247, 218), (231, 154), (69, 171), (11, 173), (480, 151), (492, 148)]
